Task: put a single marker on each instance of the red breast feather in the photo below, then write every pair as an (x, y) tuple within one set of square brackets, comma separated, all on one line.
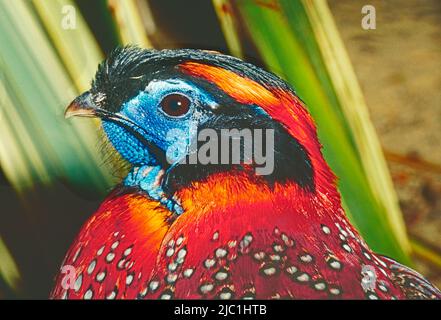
[(263, 244), (116, 249)]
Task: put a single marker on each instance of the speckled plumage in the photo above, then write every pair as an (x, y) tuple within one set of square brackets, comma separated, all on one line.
[(239, 236)]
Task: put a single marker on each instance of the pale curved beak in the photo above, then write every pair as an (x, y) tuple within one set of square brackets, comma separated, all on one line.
[(81, 106)]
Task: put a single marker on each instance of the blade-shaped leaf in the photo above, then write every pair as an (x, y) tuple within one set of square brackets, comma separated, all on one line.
[(8, 269), (37, 87), (127, 15), (286, 41)]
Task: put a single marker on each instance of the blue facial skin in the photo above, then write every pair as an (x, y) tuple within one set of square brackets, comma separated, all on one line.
[(144, 115)]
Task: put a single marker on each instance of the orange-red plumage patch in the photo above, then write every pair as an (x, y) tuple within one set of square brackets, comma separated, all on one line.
[(240, 88), (281, 105)]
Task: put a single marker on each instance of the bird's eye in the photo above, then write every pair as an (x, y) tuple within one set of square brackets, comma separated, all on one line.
[(175, 105)]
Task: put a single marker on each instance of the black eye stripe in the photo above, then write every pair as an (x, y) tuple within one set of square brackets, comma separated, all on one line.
[(175, 105)]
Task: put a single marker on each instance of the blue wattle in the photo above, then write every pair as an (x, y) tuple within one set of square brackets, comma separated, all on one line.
[(130, 148)]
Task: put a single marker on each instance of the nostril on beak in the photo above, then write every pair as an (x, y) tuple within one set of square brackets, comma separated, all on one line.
[(81, 106)]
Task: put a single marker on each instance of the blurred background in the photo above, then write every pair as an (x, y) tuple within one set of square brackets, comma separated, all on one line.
[(374, 94)]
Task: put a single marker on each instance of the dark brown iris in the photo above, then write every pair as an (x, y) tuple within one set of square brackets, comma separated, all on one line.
[(175, 105)]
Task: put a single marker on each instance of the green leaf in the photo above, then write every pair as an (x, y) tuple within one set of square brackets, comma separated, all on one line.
[(8, 269), (128, 16), (283, 35), (37, 85)]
